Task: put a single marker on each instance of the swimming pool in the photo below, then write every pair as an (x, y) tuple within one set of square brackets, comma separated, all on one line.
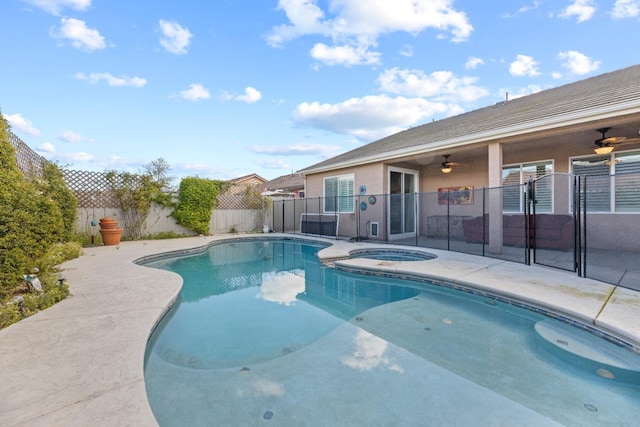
[(266, 334)]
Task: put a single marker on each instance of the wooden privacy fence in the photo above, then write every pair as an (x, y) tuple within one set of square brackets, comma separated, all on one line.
[(242, 212)]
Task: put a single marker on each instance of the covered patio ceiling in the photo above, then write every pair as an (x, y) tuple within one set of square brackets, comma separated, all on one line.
[(576, 140)]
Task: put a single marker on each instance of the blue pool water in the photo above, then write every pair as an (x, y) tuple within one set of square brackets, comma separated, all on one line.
[(264, 334)]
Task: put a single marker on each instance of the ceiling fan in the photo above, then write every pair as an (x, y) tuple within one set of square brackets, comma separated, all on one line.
[(606, 144), (447, 166)]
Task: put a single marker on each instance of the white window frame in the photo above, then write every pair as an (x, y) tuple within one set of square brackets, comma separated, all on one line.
[(612, 183), (521, 167), (342, 198)]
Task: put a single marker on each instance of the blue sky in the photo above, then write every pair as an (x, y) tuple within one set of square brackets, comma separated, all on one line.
[(226, 88)]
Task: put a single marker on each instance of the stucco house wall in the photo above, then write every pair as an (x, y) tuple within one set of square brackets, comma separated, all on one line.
[(553, 125)]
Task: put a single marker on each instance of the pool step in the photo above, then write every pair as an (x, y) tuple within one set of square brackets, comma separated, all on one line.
[(588, 351)]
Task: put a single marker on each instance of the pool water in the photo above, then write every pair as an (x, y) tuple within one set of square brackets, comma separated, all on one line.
[(265, 334)]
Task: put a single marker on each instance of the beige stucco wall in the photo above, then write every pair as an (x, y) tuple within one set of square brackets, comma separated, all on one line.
[(373, 177), (474, 171)]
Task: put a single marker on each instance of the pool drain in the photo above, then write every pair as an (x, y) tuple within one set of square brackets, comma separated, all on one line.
[(244, 370), (267, 415)]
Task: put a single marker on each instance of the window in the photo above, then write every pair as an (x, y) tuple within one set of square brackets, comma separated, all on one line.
[(339, 194), (515, 176), (611, 183)]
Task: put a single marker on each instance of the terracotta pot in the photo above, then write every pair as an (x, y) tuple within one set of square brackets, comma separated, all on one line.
[(111, 236), (108, 223)]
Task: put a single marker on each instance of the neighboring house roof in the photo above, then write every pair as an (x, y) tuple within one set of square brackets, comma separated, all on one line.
[(252, 179), (285, 183), (240, 184), (608, 95)]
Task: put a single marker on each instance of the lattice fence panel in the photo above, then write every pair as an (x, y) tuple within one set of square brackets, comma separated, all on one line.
[(250, 200), (92, 189), (28, 160)]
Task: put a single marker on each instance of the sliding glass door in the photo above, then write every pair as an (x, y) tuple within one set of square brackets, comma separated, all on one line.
[(403, 189)]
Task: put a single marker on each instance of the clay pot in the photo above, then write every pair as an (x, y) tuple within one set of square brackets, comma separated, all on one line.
[(110, 232), (111, 236), (108, 223)]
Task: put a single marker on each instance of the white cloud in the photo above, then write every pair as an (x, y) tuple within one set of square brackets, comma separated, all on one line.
[(175, 38), (55, 6), (344, 55), (356, 25), (273, 164), (524, 66), (195, 92), (370, 354), (47, 147), (250, 96), (578, 63), (520, 92), (281, 287), (407, 51), (81, 157), (80, 35), (305, 17), (267, 387), (626, 9), (473, 63), (202, 170), (368, 118), (583, 10), (527, 8), (19, 123), (70, 136), (442, 85), (112, 80), (305, 149)]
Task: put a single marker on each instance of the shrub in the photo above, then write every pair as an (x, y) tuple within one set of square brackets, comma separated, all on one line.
[(36, 212), (135, 192), (23, 237), (196, 201)]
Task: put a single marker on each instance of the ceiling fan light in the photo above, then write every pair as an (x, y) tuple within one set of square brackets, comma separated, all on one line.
[(605, 149), (445, 169)]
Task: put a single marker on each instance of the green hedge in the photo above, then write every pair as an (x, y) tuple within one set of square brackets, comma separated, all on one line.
[(36, 212), (196, 201)]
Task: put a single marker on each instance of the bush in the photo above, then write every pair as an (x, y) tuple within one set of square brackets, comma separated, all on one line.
[(53, 290), (163, 235), (36, 212), (197, 199)]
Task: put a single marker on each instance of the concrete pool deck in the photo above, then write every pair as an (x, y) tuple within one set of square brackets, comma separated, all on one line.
[(81, 361)]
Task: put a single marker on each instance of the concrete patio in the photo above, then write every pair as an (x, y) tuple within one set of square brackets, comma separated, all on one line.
[(81, 361)]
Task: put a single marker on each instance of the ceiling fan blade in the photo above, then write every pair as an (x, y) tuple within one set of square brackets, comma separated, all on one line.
[(630, 141), (613, 139)]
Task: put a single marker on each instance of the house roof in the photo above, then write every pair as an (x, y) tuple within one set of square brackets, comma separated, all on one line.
[(607, 95), (290, 182), (253, 178)]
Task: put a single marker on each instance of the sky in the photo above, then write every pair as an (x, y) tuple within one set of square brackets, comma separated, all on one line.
[(225, 88)]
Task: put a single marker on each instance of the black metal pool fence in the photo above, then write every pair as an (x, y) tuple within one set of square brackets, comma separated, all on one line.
[(586, 224)]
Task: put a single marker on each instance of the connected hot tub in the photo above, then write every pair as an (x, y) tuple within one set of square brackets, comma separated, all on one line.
[(391, 254)]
